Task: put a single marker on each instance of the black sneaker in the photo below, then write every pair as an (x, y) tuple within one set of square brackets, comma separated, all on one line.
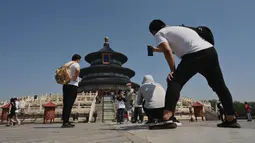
[(164, 124), (177, 122), (229, 124), (67, 125), (149, 122)]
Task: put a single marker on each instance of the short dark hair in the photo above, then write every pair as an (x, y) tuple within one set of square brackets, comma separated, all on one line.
[(76, 57), (156, 25)]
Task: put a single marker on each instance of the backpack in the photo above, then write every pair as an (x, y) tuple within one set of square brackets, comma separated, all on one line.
[(62, 74), (204, 32)]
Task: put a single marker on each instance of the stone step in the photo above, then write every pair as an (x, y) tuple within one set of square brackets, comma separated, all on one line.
[(109, 110), (108, 106), (107, 98), (109, 113), (109, 117)]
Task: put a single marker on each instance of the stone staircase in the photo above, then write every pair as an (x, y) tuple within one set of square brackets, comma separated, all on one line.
[(211, 115), (105, 110), (109, 112)]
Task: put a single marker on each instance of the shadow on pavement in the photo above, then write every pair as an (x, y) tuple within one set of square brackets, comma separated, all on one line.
[(48, 127), (128, 128)]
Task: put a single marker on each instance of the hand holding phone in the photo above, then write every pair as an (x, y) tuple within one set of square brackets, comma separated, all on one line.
[(150, 50)]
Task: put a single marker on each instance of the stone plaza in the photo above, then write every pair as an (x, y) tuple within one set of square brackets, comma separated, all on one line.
[(192, 132)]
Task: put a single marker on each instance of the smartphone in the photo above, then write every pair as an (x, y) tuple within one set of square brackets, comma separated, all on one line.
[(150, 51)]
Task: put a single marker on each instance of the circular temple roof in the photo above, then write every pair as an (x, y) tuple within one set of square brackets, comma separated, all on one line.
[(107, 68), (106, 49), (107, 81)]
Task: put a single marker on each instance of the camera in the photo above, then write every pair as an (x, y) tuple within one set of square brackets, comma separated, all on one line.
[(150, 51)]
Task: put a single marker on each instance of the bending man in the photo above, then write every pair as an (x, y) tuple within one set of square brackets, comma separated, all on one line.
[(197, 56)]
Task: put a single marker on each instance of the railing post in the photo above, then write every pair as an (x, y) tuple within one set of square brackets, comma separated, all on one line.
[(103, 109), (92, 109)]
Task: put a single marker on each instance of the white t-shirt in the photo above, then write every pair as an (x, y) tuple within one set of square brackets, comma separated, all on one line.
[(182, 40), (121, 105), (72, 68), (17, 106)]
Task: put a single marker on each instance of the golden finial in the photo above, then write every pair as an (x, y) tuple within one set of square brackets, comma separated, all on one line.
[(106, 39)]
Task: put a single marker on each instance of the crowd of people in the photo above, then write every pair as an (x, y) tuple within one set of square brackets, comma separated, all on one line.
[(148, 101)]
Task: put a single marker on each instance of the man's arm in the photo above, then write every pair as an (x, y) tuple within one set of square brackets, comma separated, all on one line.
[(156, 50), (165, 48)]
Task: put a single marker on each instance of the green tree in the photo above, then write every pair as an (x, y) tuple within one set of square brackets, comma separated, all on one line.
[(213, 103), (239, 107)]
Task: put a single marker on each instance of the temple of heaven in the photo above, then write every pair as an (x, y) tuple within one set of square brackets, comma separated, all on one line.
[(105, 71)]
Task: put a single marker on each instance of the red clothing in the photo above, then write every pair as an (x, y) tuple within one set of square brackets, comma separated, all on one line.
[(125, 115), (247, 108)]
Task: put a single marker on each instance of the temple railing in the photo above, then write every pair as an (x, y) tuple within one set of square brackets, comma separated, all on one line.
[(115, 110), (92, 108)]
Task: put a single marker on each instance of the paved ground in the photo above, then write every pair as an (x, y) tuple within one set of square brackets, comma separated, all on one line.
[(82, 133), (196, 132)]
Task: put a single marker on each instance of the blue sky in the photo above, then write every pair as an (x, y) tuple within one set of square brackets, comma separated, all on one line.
[(36, 37)]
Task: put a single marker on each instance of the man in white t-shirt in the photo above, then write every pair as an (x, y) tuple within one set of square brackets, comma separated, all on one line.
[(70, 90), (197, 56)]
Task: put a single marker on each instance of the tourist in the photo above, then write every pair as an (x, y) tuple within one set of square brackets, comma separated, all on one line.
[(121, 106), (152, 96), (95, 115), (17, 111), (70, 90), (197, 56), (248, 111), (12, 114), (137, 112), (76, 117), (220, 112)]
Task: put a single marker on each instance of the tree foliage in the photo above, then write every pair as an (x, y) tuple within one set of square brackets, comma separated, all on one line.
[(239, 106), (213, 103)]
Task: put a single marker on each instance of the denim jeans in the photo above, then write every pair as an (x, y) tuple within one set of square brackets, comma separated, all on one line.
[(120, 115), (249, 116)]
